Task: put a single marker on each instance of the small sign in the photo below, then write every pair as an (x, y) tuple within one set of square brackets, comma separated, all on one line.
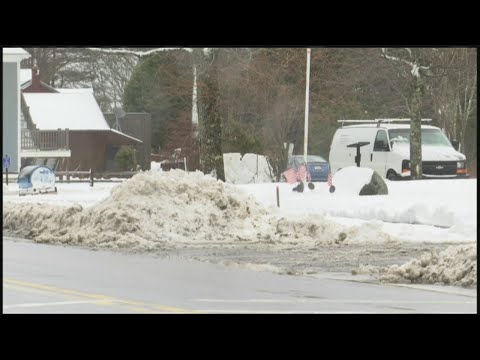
[(6, 162)]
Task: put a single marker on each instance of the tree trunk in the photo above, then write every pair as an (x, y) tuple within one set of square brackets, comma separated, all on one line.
[(416, 128), (210, 123)]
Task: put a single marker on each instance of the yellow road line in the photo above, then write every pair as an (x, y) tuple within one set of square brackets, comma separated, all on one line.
[(56, 290), (51, 303), (40, 292), (103, 299), (174, 309)]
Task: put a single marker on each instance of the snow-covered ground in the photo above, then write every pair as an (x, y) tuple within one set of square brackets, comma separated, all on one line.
[(425, 210), (157, 209)]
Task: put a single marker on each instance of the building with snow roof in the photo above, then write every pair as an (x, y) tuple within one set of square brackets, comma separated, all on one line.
[(65, 128)]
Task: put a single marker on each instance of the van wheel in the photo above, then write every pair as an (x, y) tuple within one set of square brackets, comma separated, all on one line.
[(391, 175)]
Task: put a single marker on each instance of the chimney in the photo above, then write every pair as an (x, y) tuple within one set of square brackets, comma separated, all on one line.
[(35, 77)]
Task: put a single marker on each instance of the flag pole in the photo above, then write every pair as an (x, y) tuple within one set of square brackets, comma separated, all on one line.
[(307, 91)]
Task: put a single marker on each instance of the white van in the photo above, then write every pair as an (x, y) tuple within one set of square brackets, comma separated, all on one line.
[(388, 151)]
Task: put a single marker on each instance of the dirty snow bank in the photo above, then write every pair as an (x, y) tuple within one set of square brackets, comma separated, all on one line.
[(456, 265), (154, 209), (255, 267)]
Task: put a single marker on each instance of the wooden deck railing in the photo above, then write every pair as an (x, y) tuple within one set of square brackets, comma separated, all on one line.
[(44, 140)]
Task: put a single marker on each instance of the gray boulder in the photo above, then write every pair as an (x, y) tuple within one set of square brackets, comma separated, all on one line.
[(376, 186)]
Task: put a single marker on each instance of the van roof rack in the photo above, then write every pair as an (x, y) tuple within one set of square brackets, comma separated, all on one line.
[(378, 121)]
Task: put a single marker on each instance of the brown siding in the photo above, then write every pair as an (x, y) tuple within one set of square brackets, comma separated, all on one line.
[(88, 149)]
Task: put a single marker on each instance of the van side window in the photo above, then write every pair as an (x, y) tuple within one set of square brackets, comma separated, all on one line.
[(381, 142)]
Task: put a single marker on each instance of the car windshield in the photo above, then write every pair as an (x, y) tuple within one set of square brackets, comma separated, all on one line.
[(433, 137)]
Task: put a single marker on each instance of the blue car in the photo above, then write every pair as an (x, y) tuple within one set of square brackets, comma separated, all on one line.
[(317, 166)]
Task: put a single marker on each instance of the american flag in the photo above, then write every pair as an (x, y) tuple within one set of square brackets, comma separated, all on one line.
[(292, 176), (329, 179), (301, 173)]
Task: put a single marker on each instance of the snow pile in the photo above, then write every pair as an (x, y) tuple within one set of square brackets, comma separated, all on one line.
[(255, 267), (350, 180), (456, 265), (155, 166), (153, 209), (249, 169)]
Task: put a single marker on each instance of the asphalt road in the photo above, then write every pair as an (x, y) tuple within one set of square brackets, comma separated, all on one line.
[(41, 278)]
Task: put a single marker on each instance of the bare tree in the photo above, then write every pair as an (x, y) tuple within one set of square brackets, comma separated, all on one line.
[(413, 63), (210, 122), (51, 62), (205, 61), (106, 73), (453, 89), (261, 103)]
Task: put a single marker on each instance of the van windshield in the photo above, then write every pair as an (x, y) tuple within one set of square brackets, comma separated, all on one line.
[(433, 137)]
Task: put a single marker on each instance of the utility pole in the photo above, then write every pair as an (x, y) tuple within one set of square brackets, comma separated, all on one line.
[(307, 92)]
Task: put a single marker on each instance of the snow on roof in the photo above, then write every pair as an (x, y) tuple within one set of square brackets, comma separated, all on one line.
[(75, 111), (14, 55), (14, 51), (128, 136), (77, 90)]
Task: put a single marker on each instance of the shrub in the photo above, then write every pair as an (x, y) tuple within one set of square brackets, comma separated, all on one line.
[(126, 158)]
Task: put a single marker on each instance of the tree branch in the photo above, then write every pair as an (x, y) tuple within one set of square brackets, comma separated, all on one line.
[(137, 53)]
